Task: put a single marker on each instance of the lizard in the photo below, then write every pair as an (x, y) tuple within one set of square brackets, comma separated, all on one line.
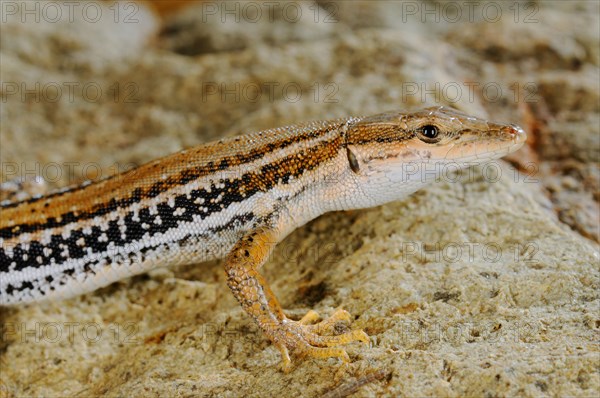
[(235, 199)]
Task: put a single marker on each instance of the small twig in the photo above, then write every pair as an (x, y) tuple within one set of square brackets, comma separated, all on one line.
[(350, 387)]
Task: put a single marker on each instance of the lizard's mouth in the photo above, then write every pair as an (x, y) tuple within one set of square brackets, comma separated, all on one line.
[(497, 143)]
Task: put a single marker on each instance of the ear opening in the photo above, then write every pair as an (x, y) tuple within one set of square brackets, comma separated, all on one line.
[(353, 161)]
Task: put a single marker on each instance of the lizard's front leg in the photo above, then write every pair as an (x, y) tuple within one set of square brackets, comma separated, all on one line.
[(256, 298)]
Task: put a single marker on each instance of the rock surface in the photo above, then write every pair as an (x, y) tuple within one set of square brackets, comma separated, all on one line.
[(475, 286)]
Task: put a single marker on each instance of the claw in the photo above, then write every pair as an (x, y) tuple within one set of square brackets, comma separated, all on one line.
[(286, 363)]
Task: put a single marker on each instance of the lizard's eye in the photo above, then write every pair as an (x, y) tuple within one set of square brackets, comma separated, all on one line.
[(429, 133)]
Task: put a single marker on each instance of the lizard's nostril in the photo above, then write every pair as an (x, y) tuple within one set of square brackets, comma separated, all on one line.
[(515, 132)]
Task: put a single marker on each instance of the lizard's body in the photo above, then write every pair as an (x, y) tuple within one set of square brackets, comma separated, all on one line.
[(235, 198)]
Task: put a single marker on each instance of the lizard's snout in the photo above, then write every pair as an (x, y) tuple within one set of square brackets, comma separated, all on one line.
[(514, 132)]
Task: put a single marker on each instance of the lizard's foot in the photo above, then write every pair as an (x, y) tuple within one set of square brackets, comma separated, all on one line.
[(256, 297), (308, 340)]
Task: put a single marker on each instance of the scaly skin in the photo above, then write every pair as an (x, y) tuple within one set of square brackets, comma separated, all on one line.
[(235, 198)]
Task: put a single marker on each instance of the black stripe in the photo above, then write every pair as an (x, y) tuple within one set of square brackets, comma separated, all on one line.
[(233, 191)]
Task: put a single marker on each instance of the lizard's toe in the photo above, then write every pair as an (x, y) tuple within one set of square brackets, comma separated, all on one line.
[(308, 341), (325, 325)]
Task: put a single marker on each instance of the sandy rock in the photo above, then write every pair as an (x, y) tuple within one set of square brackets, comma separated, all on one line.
[(475, 286)]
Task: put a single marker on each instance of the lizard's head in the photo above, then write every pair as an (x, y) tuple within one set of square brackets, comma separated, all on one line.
[(394, 154)]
